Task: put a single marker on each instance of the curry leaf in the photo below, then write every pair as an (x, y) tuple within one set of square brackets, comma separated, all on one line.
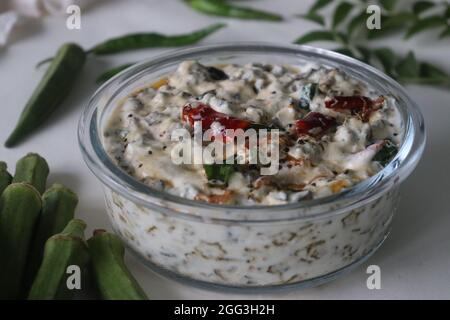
[(341, 38), (392, 23), (345, 51), (357, 22), (408, 67), (317, 35), (422, 6), (387, 58), (429, 71), (341, 12), (427, 23), (387, 152), (319, 4), (365, 54), (313, 16), (388, 4)]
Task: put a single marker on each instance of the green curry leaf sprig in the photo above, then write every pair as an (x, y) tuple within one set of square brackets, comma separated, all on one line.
[(347, 26)]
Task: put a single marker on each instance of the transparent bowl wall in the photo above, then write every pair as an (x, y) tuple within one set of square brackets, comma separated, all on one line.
[(249, 247)]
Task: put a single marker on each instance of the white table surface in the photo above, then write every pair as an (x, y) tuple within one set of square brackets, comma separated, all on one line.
[(415, 259)]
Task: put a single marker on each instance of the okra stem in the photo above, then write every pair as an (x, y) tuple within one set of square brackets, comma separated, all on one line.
[(32, 169)]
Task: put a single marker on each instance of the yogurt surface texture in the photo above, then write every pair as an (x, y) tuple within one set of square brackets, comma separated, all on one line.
[(334, 131)]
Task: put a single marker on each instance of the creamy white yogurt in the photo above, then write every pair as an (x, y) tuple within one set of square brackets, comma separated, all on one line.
[(322, 162)]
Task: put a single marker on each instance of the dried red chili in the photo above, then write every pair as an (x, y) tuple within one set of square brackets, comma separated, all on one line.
[(361, 105), (207, 116), (314, 124)]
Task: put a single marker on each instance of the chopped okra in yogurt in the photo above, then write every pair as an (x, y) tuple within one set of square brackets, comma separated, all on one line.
[(323, 132)]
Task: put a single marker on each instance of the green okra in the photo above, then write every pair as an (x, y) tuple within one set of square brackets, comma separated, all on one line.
[(32, 169), (5, 177), (20, 204), (58, 208), (224, 9), (62, 250), (51, 91), (113, 280)]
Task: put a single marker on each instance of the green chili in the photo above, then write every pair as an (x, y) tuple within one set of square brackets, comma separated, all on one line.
[(218, 174), (152, 40), (108, 74), (222, 8), (51, 91)]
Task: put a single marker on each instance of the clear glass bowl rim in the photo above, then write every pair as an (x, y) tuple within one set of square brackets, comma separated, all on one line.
[(110, 175)]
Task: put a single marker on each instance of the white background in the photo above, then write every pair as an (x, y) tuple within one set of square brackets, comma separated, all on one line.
[(415, 260)]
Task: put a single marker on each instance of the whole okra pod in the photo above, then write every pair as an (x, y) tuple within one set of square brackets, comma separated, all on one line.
[(20, 204), (62, 250), (51, 91), (32, 169), (5, 177), (114, 281), (58, 208)]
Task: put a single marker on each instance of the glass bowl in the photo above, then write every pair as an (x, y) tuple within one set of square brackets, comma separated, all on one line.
[(249, 247)]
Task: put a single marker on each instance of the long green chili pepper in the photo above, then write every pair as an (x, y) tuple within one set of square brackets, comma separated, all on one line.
[(20, 204), (51, 91), (5, 177), (58, 208), (222, 8), (62, 250), (111, 275), (108, 74), (152, 40)]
